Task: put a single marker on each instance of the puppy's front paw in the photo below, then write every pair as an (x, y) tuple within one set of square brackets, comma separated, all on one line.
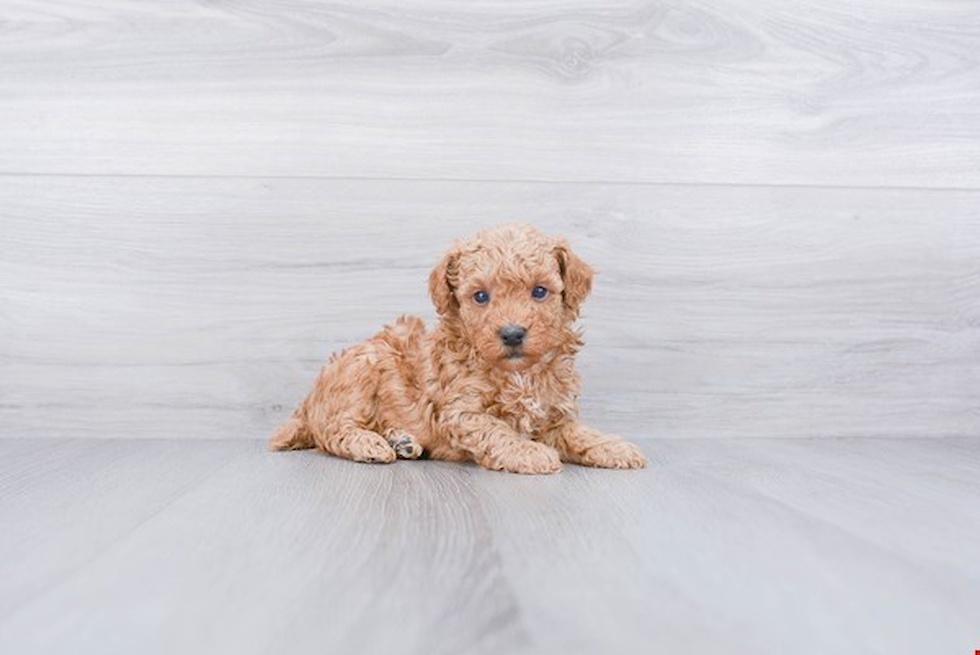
[(614, 454), (524, 457)]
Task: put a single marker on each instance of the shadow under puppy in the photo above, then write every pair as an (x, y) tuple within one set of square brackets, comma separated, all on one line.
[(495, 382)]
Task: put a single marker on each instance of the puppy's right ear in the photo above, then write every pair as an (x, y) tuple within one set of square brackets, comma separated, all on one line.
[(442, 284)]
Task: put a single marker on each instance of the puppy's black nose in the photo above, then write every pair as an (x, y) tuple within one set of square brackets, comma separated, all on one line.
[(512, 335)]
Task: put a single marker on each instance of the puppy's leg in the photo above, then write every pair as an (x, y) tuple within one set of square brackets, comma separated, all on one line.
[(344, 436), (343, 406), (359, 445), (578, 444), (403, 443), (349, 442), (495, 445)]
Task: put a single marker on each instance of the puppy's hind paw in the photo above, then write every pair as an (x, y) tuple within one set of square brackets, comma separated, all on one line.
[(366, 446), (403, 444)]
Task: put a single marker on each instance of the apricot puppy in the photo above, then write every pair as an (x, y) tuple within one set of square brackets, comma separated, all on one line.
[(494, 382)]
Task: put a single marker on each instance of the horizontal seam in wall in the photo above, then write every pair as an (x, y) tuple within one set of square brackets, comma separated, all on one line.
[(447, 180)]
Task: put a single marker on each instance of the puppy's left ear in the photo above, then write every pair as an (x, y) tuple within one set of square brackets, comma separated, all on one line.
[(442, 283), (576, 276)]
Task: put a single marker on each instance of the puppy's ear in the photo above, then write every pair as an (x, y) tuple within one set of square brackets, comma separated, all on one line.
[(575, 274), (442, 283)]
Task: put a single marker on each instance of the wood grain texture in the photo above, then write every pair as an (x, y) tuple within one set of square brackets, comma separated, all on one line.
[(159, 307), (64, 503), (760, 546), (868, 93)]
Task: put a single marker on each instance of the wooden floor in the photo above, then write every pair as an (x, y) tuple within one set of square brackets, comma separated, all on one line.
[(738, 546)]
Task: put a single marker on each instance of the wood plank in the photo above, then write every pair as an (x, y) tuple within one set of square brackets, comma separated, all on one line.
[(203, 308), (63, 503), (751, 92), (716, 563), (278, 553), (760, 546), (870, 488), (821, 586)]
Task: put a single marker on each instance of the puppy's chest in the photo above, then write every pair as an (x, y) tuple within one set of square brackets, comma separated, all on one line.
[(527, 404)]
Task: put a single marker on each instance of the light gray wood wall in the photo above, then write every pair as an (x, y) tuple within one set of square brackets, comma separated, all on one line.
[(199, 201)]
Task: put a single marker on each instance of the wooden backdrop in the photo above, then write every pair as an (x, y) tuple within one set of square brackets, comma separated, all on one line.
[(199, 201)]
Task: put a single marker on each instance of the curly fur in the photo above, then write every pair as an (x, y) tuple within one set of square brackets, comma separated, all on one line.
[(459, 392)]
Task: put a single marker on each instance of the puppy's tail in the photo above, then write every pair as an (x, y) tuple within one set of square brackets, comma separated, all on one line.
[(292, 435)]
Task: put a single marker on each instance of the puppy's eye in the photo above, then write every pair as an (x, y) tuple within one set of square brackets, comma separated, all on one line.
[(539, 293), (481, 297)]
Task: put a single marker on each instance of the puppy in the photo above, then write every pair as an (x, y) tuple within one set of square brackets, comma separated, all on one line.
[(494, 382)]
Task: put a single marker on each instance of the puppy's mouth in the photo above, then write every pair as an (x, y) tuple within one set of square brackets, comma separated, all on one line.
[(514, 357), (513, 353)]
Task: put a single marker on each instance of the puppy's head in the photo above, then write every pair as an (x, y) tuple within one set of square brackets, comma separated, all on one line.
[(512, 292)]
